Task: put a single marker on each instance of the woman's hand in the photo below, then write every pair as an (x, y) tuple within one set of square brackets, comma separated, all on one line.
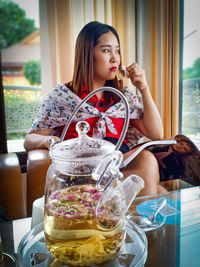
[(39, 139), (137, 76), (151, 124), (47, 143)]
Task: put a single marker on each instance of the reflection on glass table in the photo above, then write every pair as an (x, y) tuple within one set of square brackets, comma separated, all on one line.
[(6, 258), (152, 219), (176, 243)]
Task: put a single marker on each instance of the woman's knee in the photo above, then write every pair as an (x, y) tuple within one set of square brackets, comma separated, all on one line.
[(149, 161), (146, 158), (144, 164)]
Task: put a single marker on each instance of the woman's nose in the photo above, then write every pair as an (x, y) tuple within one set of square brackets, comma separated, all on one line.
[(113, 57)]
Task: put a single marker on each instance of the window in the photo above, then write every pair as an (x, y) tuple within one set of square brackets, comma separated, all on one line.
[(20, 69), (191, 72)]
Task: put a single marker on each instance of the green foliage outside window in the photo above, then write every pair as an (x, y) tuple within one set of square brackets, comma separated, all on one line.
[(14, 24), (32, 72), (21, 108), (191, 99), (192, 72)]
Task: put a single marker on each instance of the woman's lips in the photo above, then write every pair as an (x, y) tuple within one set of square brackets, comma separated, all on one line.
[(113, 69)]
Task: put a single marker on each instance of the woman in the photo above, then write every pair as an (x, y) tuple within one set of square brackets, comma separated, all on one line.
[(97, 58), (178, 161)]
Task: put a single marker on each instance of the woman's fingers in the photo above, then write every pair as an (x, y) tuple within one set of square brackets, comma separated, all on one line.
[(137, 76), (135, 69), (133, 73), (48, 144)]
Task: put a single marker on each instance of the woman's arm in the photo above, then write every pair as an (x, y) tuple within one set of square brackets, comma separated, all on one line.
[(151, 124), (39, 139)]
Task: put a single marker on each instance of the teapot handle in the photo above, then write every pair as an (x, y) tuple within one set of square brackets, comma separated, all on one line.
[(111, 165), (127, 109)]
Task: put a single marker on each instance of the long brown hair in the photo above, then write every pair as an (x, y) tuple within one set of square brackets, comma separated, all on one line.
[(83, 61)]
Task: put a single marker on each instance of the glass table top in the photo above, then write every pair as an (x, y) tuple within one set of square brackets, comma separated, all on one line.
[(175, 243)]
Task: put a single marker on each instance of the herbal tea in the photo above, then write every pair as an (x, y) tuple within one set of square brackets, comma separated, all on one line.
[(121, 73), (73, 234)]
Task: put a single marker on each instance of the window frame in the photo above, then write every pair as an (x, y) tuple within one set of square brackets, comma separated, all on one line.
[(3, 142), (181, 64), (22, 156)]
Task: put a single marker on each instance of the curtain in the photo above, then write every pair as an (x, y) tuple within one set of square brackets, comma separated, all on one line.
[(60, 23), (158, 35)]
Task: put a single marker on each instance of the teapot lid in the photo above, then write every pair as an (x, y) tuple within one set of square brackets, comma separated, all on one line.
[(81, 147)]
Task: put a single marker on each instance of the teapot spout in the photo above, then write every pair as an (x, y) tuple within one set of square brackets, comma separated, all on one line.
[(115, 202)]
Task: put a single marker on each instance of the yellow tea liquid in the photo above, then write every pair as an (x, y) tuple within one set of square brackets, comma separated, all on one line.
[(72, 232)]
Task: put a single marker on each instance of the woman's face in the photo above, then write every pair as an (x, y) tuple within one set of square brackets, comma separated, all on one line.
[(106, 59), (182, 147)]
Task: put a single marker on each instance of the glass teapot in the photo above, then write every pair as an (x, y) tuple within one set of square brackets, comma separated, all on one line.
[(85, 201)]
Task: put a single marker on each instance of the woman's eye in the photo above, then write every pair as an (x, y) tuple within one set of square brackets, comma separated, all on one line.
[(106, 50), (117, 51)]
